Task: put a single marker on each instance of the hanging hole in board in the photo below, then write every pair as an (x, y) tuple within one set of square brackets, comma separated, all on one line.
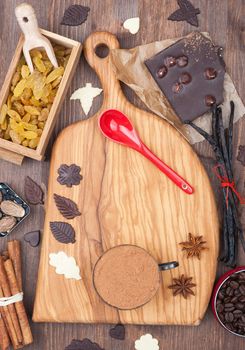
[(102, 50), (25, 19)]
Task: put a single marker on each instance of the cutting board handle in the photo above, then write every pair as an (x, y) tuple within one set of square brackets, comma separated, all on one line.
[(103, 66)]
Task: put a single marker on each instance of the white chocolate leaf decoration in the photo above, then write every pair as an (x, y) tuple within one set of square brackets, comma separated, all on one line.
[(132, 25), (64, 265), (86, 95), (146, 342)]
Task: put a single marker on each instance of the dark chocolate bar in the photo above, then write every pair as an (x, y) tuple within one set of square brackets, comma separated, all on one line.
[(190, 73)]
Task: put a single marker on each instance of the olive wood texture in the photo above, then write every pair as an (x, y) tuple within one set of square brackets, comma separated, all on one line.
[(125, 199)]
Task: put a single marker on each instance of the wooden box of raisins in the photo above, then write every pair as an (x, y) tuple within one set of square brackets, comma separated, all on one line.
[(30, 103)]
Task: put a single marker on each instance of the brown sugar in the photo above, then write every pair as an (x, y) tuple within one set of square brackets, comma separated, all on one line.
[(126, 277)]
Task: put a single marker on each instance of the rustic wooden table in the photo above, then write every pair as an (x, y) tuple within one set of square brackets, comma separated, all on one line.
[(224, 20)]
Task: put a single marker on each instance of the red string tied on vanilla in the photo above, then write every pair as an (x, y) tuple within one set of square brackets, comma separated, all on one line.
[(226, 183)]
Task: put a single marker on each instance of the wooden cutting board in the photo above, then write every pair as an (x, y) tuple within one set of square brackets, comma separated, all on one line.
[(123, 198)]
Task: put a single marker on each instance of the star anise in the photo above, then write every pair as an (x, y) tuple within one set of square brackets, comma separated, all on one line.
[(182, 286), (194, 246)]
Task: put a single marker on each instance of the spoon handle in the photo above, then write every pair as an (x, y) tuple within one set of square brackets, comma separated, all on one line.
[(170, 173)]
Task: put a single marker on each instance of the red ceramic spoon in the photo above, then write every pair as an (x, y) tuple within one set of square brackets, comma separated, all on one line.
[(117, 127)]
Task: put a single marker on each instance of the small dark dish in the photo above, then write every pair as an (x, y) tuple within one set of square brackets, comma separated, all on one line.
[(9, 194), (228, 301)]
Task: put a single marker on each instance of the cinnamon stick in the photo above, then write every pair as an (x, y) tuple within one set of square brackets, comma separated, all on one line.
[(7, 293), (20, 309), (5, 255), (4, 338), (15, 256), (9, 324)]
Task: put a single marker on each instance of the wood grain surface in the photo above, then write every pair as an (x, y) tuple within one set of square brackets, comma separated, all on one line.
[(224, 19), (125, 199)]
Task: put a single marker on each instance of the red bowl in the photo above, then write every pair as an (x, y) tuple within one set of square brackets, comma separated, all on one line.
[(217, 287)]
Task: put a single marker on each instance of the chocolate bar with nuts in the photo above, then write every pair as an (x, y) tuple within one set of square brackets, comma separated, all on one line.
[(190, 73)]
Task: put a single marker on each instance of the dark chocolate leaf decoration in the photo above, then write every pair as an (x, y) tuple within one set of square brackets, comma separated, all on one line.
[(63, 232), (66, 207), (84, 344), (118, 332), (177, 16), (69, 175), (33, 192), (241, 155), (75, 15), (187, 12)]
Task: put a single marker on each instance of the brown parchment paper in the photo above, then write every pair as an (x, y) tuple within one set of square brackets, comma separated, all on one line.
[(130, 68)]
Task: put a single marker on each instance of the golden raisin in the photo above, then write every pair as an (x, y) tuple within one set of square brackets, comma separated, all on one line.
[(30, 99), (39, 64), (25, 143), (26, 118), (16, 138), (19, 87), (34, 142), (3, 113), (25, 71), (19, 108), (32, 110), (36, 53), (57, 72), (43, 115), (40, 125), (14, 115), (16, 79)]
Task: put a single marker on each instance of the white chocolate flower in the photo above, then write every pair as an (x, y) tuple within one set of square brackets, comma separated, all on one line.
[(146, 342), (65, 265)]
